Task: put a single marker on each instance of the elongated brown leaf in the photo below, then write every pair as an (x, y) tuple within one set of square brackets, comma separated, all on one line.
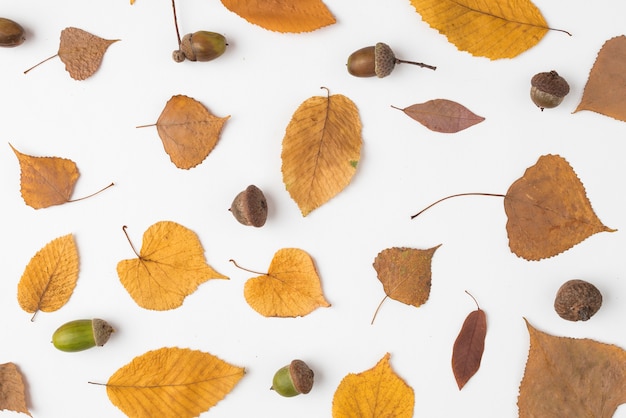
[(321, 150), (12, 389), (605, 91), (442, 115), (469, 347)]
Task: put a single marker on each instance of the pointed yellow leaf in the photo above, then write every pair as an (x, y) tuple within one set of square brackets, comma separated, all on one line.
[(169, 267), (172, 383), (50, 276), (490, 28), (321, 150), (290, 288), (374, 393)]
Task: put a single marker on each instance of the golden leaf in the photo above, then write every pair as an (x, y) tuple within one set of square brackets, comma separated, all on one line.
[(283, 15), (188, 130), (12, 389), (172, 383), (374, 393), (494, 28), (321, 150), (573, 378), (50, 277), (290, 288), (169, 267), (605, 91), (548, 210)]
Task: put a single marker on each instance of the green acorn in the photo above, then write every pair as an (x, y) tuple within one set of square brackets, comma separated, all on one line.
[(293, 379), (81, 334)]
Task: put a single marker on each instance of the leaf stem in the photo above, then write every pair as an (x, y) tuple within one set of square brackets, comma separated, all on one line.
[(176, 22), (245, 269), (378, 309), (146, 126), (455, 195), (91, 195), (421, 64), (475, 301), (37, 65), (130, 242)]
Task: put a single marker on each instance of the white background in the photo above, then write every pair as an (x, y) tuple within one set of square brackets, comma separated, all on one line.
[(260, 81)]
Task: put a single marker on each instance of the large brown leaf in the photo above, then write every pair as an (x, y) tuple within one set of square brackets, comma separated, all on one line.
[(442, 115), (573, 378), (548, 210), (172, 383), (605, 91), (12, 389), (321, 150)]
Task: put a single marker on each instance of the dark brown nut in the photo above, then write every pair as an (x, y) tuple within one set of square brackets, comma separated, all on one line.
[(378, 60), (250, 207), (548, 89), (577, 300), (11, 33)]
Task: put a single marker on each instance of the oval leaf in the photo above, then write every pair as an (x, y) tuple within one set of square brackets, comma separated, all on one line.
[(50, 277), (374, 393), (321, 150), (82, 52), (290, 288), (283, 15), (442, 115), (172, 383), (468, 347), (12, 389), (493, 28)]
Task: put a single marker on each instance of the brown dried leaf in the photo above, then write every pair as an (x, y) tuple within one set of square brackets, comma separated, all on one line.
[(82, 52), (50, 277), (469, 347), (548, 210), (188, 130), (442, 115), (12, 389), (283, 15), (605, 91), (573, 378), (321, 150)]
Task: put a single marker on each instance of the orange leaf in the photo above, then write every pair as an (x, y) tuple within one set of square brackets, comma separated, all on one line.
[(442, 115), (169, 267), (290, 288), (283, 15), (605, 91), (12, 389), (494, 29), (82, 52), (469, 346), (50, 277), (375, 393), (574, 378), (321, 150), (172, 383), (188, 130), (548, 210)]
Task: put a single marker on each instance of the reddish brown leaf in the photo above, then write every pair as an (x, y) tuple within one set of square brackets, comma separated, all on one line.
[(469, 347), (442, 115)]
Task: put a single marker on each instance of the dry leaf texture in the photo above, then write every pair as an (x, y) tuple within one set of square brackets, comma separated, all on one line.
[(188, 130), (283, 15), (573, 378), (548, 210), (487, 28), (442, 115), (469, 346), (46, 181), (12, 389), (605, 91), (172, 383), (375, 393), (170, 266), (321, 150), (82, 52), (50, 277), (290, 288)]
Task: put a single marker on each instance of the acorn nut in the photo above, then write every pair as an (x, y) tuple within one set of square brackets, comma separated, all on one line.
[(11, 33), (378, 60), (200, 46), (548, 89), (81, 334), (293, 379), (577, 300), (250, 207)]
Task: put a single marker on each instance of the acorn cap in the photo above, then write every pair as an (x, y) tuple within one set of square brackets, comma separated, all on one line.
[(301, 376), (384, 60), (101, 331), (551, 83), (577, 300)]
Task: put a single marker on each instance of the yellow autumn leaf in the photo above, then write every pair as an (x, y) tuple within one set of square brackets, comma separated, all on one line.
[(172, 383), (491, 28), (50, 277), (290, 288), (375, 393), (170, 266), (321, 150)]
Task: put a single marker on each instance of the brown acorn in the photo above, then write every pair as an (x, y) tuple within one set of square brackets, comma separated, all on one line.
[(250, 207), (200, 46), (293, 379), (577, 300), (548, 89), (378, 60), (11, 33)]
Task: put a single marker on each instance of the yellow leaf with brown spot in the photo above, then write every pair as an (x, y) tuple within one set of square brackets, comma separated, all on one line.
[(170, 266), (290, 288), (172, 383), (321, 150), (12, 389), (50, 277), (374, 393)]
